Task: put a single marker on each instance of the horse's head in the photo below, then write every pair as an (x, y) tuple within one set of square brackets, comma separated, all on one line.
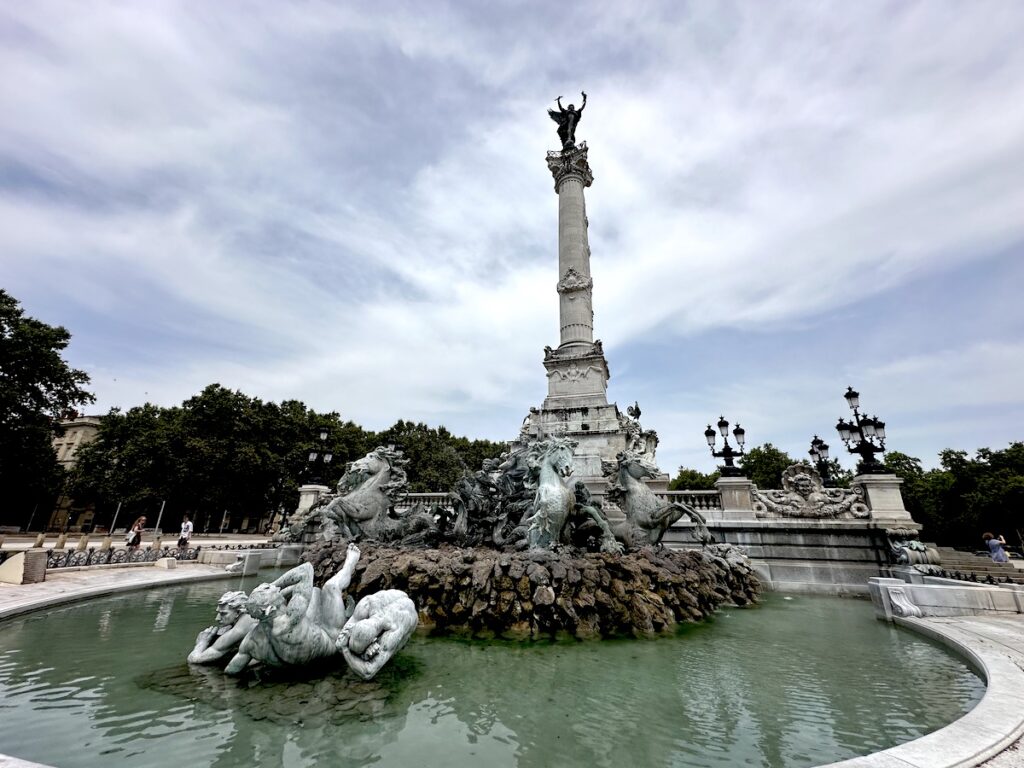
[(555, 452), (385, 465), (635, 465)]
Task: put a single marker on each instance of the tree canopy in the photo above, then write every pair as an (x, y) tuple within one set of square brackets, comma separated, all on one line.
[(37, 387), (764, 465), (965, 497), (687, 479), (224, 456)]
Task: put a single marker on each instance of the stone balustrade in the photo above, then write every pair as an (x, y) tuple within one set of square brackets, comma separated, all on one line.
[(699, 500), (427, 499)]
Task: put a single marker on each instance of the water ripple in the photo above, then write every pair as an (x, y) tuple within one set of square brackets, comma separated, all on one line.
[(790, 684)]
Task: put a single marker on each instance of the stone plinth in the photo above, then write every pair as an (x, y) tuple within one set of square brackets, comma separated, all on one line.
[(736, 498), (28, 567), (883, 497), (308, 495)]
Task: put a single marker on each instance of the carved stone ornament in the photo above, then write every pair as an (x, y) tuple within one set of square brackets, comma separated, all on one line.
[(574, 372), (901, 603), (905, 548), (573, 281), (638, 440), (803, 495), (570, 163)]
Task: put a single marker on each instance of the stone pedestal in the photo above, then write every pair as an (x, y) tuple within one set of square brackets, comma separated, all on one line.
[(737, 503), (883, 497), (308, 494), (28, 567)]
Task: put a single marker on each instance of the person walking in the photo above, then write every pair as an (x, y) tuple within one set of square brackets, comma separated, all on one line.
[(134, 537), (995, 548), (186, 532)]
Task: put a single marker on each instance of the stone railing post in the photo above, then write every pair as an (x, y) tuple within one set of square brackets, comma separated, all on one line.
[(737, 501)]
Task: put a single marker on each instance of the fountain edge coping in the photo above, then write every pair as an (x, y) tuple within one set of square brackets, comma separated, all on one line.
[(996, 722), (76, 593)]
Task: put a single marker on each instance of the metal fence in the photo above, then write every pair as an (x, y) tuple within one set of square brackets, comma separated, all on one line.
[(73, 558)]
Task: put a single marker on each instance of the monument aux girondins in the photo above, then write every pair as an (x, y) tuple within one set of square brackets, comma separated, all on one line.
[(577, 404)]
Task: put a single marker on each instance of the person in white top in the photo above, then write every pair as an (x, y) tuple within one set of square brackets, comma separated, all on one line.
[(186, 532)]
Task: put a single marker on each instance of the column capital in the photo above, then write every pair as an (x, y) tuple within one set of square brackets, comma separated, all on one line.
[(570, 164)]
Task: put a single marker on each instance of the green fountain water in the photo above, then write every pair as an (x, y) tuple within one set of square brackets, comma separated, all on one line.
[(794, 682)]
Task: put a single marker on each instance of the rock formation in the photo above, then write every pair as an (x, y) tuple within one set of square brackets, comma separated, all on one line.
[(487, 592)]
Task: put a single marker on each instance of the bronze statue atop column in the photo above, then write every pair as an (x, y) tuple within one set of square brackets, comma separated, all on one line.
[(567, 120)]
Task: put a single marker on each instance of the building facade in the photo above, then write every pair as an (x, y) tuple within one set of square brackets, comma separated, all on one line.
[(77, 431)]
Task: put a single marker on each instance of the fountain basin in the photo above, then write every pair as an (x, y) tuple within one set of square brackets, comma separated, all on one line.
[(792, 682)]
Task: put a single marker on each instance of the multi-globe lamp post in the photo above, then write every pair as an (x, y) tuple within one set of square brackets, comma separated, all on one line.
[(819, 455), (865, 436), (319, 459), (728, 453)]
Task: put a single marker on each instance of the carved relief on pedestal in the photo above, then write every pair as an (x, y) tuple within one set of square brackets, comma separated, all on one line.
[(803, 495), (901, 603), (572, 282), (573, 372)]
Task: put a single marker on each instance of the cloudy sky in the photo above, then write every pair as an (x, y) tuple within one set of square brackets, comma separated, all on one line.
[(347, 203)]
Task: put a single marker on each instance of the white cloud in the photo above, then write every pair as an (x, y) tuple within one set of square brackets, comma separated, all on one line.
[(351, 207)]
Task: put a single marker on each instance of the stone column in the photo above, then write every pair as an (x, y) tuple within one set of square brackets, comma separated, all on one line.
[(737, 503), (575, 286)]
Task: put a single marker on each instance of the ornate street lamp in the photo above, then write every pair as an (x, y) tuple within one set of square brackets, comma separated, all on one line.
[(319, 459), (865, 435), (728, 452), (819, 455)]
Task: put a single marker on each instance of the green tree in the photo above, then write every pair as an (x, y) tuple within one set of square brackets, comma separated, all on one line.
[(965, 496), (223, 455), (840, 477), (37, 387), (765, 464), (436, 457), (693, 480)]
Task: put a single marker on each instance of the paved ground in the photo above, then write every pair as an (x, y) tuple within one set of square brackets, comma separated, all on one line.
[(1013, 757), (21, 541), (77, 585)]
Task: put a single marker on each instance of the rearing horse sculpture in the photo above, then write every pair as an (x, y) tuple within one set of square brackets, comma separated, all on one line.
[(647, 516), (362, 507), (554, 501)]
